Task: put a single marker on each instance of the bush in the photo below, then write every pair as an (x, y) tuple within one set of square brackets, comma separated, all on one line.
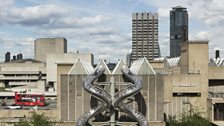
[(35, 120), (188, 119), (23, 122)]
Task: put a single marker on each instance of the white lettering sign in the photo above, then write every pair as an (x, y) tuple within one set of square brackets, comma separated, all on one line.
[(187, 85)]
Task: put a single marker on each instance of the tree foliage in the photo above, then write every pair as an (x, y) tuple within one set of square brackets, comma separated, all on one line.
[(35, 120), (188, 119), (23, 122)]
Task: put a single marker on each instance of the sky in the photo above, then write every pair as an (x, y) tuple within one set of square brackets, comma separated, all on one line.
[(101, 27)]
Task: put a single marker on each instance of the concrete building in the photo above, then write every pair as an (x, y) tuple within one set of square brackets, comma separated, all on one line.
[(145, 36), (43, 46), (192, 82), (171, 86), (187, 89), (74, 101), (22, 75), (69, 58), (216, 90), (178, 29)]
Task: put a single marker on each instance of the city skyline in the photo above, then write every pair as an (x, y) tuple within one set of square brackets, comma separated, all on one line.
[(91, 25)]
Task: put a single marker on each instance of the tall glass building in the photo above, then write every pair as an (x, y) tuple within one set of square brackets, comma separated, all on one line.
[(145, 36), (178, 29)]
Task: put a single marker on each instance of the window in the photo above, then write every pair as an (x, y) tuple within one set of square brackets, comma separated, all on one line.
[(219, 111)]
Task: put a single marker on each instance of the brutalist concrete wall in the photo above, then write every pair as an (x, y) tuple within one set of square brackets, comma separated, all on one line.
[(149, 101), (75, 101)]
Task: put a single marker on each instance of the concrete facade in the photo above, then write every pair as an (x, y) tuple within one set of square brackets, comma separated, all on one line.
[(74, 101), (28, 75), (193, 83), (43, 46), (69, 58), (188, 90), (171, 86), (61, 70), (145, 36)]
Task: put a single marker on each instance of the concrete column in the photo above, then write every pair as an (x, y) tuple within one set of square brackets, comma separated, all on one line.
[(112, 93)]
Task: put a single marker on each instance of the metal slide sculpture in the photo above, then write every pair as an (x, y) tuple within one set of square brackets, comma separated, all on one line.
[(129, 90), (105, 98), (99, 93)]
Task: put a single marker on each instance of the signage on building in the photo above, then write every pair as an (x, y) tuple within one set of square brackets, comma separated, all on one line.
[(185, 85)]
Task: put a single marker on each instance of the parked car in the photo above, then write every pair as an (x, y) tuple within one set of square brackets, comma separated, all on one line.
[(14, 106)]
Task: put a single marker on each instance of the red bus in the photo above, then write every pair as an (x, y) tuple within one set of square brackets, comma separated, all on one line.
[(25, 99)]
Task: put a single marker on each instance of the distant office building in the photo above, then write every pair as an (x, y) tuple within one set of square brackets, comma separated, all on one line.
[(128, 59), (145, 36), (7, 57), (217, 54), (14, 57), (43, 46), (19, 56), (178, 29)]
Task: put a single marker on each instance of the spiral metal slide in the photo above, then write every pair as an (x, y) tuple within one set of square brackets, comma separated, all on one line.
[(128, 91), (99, 93)]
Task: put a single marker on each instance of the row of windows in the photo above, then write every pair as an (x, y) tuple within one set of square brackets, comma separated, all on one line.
[(149, 19), (144, 50), (141, 38), (144, 28), (145, 34), (144, 21), (135, 21), (144, 46), (145, 41), (144, 24), (146, 54)]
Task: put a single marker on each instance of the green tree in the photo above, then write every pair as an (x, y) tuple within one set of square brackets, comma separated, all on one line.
[(23, 122), (35, 120), (40, 120)]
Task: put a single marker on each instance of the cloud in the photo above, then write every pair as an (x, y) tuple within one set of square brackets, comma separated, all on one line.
[(29, 16), (78, 22), (96, 28), (201, 35), (6, 3), (16, 45), (164, 12), (88, 31)]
